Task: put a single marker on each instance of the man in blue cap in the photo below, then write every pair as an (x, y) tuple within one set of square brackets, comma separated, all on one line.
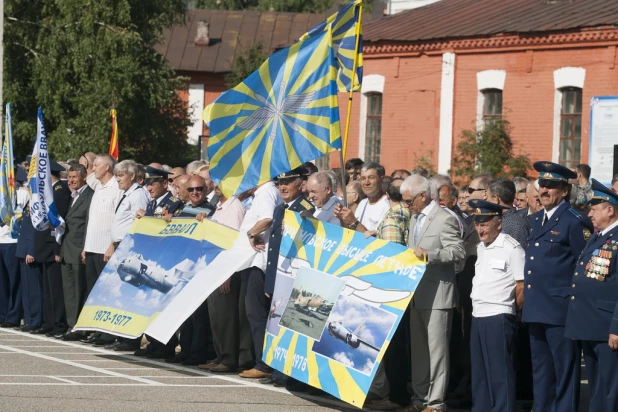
[(592, 316), (558, 233), (497, 296)]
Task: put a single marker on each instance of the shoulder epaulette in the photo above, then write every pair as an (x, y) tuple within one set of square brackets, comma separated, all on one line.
[(512, 241), (174, 199), (306, 204), (575, 213)]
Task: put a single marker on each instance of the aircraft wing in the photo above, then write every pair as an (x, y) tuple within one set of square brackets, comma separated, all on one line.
[(371, 346), (370, 294)]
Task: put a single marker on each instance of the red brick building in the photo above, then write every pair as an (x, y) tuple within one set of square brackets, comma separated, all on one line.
[(433, 71)]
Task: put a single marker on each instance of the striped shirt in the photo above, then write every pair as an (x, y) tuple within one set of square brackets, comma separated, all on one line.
[(101, 216)]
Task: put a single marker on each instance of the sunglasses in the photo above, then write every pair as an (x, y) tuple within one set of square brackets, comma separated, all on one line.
[(197, 188), (472, 190)]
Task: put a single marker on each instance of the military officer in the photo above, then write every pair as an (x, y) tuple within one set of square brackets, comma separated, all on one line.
[(162, 204), (290, 185), (592, 316), (557, 236)]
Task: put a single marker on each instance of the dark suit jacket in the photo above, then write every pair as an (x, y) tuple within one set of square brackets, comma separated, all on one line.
[(41, 244), (75, 232), (274, 243)]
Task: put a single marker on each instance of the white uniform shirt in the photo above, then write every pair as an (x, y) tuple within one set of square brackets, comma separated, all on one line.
[(101, 215), (22, 195), (497, 268), (325, 214), (370, 215), (265, 200), (134, 199)]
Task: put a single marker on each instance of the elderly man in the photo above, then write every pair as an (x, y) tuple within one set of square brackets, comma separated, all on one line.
[(204, 171), (173, 174), (98, 231), (521, 183), (87, 160), (521, 201), (592, 317), (320, 189), (133, 197), (223, 303), (194, 166), (435, 237), (371, 210), (73, 269), (290, 185), (497, 294), (534, 203), (181, 188), (198, 201), (557, 236)]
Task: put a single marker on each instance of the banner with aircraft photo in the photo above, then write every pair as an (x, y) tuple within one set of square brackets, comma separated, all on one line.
[(338, 299), (154, 264)]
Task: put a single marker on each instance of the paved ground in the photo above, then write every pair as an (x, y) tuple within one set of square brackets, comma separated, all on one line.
[(44, 374)]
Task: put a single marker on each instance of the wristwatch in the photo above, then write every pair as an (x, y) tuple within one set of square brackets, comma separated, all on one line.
[(354, 225)]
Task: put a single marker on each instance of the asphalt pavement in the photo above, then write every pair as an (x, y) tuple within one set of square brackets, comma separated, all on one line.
[(45, 374)]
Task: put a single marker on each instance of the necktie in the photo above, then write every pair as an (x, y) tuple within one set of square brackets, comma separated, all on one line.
[(544, 219), (417, 228), (151, 207), (119, 203)]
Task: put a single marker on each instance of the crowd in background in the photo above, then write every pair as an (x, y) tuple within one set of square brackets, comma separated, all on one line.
[(430, 362)]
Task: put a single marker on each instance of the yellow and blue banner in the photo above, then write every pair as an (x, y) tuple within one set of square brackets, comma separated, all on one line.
[(151, 268), (282, 115), (8, 198), (338, 299), (347, 42)]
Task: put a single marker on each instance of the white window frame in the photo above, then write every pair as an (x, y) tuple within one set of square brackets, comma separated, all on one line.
[(196, 107), (487, 79), (372, 83), (564, 77)]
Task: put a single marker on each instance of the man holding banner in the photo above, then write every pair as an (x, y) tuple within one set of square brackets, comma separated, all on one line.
[(434, 235)]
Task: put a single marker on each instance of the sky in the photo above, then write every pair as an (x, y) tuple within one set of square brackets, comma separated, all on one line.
[(319, 283), (352, 312)]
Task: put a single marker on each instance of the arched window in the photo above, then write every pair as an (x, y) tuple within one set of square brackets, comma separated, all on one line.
[(373, 129), (570, 127), (492, 105)]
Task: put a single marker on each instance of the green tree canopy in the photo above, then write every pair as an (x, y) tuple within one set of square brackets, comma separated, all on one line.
[(489, 150), (75, 58)]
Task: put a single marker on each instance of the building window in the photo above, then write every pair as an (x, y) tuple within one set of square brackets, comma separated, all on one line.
[(373, 131), (323, 163), (492, 106), (571, 127)]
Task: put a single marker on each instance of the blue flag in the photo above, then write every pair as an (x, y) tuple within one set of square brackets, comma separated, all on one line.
[(42, 208)]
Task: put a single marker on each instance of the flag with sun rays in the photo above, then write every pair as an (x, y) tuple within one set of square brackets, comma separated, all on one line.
[(344, 25), (284, 114)]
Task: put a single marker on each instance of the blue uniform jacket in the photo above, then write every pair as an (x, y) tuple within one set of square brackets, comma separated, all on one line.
[(169, 203), (593, 312), (300, 204), (551, 255)]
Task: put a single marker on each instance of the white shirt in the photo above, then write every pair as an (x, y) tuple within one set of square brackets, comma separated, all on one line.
[(265, 200), (326, 213), (550, 213), (608, 228), (497, 268), (101, 213), (134, 199), (370, 215), (23, 197), (76, 194)]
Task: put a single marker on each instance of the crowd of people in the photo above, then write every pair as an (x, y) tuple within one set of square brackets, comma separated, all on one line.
[(520, 277)]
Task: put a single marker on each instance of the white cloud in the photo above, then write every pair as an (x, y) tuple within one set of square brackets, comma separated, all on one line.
[(342, 357), (368, 367)]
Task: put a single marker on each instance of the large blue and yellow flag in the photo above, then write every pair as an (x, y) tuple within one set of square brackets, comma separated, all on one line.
[(8, 197), (345, 28), (284, 114)]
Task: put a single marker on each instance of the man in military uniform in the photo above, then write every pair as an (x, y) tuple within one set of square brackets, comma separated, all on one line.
[(592, 316), (260, 291), (557, 236), (162, 204)]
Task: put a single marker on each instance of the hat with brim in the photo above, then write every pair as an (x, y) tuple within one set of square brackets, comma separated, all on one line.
[(550, 172), (484, 211), (299, 172), (601, 194), (155, 175)]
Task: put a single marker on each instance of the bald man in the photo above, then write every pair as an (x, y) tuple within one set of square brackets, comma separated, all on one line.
[(87, 160)]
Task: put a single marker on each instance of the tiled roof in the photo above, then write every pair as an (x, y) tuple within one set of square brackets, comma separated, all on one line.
[(450, 19)]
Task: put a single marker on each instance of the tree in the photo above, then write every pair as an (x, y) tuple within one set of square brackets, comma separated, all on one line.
[(245, 63), (295, 6), (76, 58), (489, 150)]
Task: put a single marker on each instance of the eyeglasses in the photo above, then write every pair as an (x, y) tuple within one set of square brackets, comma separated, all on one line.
[(409, 202), (549, 184), (197, 188), (472, 190)]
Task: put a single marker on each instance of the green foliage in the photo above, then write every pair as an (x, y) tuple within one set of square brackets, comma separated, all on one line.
[(245, 64), (77, 57), (424, 159), (489, 150), (295, 6)]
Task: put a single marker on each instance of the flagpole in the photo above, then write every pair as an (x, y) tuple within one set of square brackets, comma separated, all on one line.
[(342, 153)]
